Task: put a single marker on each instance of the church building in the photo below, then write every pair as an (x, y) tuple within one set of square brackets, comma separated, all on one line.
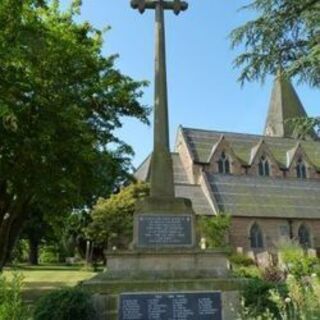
[(269, 184)]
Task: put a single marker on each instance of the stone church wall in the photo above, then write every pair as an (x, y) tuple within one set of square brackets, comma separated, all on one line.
[(273, 231)]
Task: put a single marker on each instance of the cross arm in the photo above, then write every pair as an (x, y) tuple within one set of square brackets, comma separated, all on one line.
[(176, 6)]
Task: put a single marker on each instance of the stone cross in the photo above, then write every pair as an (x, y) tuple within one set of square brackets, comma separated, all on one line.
[(161, 182)]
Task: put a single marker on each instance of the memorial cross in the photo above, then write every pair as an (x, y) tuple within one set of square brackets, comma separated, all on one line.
[(161, 180)]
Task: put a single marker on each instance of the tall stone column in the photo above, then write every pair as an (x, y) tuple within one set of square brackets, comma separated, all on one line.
[(162, 220), (162, 185)]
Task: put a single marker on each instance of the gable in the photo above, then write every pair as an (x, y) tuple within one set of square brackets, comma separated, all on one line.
[(201, 142)]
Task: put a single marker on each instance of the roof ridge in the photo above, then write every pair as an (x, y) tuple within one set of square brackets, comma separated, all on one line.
[(253, 135)]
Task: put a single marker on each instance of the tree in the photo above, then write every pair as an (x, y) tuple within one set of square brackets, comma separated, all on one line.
[(36, 229), (112, 218), (60, 102), (286, 34)]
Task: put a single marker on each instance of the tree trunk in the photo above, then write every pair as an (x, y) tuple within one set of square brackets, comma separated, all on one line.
[(10, 229), (33, 252)]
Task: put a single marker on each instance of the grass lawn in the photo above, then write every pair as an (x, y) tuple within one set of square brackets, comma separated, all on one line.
[(39, 280)]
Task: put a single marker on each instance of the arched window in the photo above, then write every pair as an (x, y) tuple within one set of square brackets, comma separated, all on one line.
[(301, 169), (304, 236), (256, 238), (264, 167), (223, 164)]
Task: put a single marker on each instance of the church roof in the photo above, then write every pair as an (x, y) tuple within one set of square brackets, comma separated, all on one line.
[(200, 144), (243, 195), (250, 196), (284, 105), (183, 188)]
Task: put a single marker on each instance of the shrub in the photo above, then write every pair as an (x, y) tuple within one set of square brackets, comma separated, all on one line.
[(247, 272), (241, 260), (214, 229), (49, 254), (11, 304), (296, 261), (65, 304), (297, 300), (258, 298)]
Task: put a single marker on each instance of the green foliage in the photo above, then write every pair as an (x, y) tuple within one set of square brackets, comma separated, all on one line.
[(243, 266), (49, 254), (61, 101), (11, 304), (112, 218), (246, 272), (285, 33), (20, 252), (303, 126), (295, 297), (296, 261), (241, 260), (258, 299), (65, 304), (214, 229)]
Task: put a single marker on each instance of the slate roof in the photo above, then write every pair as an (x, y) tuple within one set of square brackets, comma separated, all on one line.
[(183, 188), (180, 176), (200, 203), (266, 197), (201, 142)]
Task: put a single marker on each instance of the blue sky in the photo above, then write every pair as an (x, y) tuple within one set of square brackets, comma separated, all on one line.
[(202, 84)]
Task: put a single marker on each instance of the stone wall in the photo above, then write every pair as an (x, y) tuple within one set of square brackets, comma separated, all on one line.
[(273, 231)]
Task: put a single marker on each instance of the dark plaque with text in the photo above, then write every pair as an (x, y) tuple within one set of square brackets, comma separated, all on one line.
[(171, 306), (165, 230)]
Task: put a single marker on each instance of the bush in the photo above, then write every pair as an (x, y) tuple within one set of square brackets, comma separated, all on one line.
[(258, 298), (11, 304), (214, 230), (49, 254), (246, 272), (295, 300), (296, 261), (241, 260), (65, 304)]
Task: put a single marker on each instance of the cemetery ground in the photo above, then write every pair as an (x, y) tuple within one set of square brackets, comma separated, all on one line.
[(42, 279)]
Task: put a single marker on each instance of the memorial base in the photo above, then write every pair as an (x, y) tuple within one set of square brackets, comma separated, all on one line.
[(164, 263), (108, 292), (164, 273)]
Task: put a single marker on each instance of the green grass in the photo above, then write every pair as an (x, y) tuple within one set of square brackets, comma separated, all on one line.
[(39, 280)]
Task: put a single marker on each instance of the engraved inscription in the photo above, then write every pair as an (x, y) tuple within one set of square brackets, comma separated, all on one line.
[(165, 230), (173, 306)]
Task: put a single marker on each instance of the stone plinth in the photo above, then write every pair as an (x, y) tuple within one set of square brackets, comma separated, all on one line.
[(108, 291), (167, 263)]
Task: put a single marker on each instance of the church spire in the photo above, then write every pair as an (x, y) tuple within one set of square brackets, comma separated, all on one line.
[(284, 105)]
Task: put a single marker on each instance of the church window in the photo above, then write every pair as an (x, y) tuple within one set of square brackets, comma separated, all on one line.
[(223, 164), (301, 169), (304, 236), (264, 167), (256, 238)]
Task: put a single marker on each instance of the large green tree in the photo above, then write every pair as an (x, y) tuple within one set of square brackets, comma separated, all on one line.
[(60, 102), (284, 33)]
